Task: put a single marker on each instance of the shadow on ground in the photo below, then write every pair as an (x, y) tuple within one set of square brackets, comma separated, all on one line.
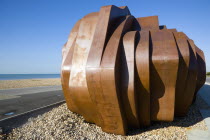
[(8, 124), (193, 116)]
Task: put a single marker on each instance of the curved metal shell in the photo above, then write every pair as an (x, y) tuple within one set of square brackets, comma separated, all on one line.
[(143, 77), (183, 68), (122, 72), (110, 73), (78, 89), (67, 53), (164, 68), (128, 79)]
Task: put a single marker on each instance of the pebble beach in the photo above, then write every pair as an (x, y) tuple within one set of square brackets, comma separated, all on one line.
[(9, 84), (62, 124)]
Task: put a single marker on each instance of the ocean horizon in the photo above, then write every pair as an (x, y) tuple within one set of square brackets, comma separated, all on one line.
[(27, 76)]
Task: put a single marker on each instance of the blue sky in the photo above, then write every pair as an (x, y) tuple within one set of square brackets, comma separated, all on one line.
[(32, 32)]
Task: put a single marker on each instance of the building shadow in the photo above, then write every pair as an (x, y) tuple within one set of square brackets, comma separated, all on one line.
[(9, 124), (193, 116)]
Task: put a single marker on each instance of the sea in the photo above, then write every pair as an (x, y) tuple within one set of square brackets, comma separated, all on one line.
[(27, 76)]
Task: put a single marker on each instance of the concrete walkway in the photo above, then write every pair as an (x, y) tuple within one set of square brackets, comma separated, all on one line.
[(14, 93), (205, 110), (208, 80), (18, 101), (196, 134)]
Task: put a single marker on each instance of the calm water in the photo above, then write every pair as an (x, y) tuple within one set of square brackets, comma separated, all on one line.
[(27, 76)]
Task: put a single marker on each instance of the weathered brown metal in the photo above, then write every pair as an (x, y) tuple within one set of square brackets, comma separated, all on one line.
[(163, 72), (148, 23), (67, 53), (143, 77), (184, 60), (123, 72), (128, 79)]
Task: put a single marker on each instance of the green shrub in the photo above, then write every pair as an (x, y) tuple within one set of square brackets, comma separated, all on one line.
[(208, 73)]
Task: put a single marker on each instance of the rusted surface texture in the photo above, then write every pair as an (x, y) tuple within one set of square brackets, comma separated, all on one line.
[(201, 77), (128, 79), (163, 70), (67, 53), (143, 77), (122, 72), (148, 23), (184, 60)]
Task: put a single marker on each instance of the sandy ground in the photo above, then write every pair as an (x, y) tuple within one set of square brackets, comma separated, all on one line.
[(9, 84)]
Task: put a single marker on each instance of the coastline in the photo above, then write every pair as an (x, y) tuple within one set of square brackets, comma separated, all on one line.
[(24, 83), (27, 76)]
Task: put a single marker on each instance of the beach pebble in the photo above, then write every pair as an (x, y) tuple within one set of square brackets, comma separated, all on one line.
[(24, 83), (62, 124)]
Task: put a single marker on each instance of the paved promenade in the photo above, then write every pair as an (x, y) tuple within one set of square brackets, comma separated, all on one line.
[(208, 80), (204, 93), (17, 101)]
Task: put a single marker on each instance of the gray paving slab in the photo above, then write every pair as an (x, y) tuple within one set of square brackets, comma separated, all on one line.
[(29, 90), (208, 79), (5, 97), (206, 115), (17, 101), (196, 134), (204, 92)]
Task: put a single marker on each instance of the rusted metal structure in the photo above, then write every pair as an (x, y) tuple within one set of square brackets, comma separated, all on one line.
[(123, 72)]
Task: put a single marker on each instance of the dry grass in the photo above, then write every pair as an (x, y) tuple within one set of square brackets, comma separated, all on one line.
[(9, 84)]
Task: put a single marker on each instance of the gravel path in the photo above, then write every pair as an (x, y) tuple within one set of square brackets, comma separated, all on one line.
[(62, 124), (8, 84)]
